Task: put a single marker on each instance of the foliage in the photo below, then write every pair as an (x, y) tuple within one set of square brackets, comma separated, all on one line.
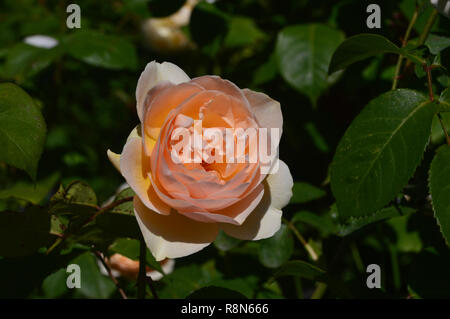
[(366, 113)]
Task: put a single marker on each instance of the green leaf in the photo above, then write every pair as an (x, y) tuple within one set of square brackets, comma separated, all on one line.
[(362, 46), (54, 285), (440, 189), (101, 50), (437, 134), (24, 60), (213, 292), (299, 268), (266, 72), (33, 193), (276, 250), (437, 43), (242, 32), (304, 52), (76, 199), (225, 242), (356, 223), (120, 221), (22, 129), (130, 248), (380, 151), (407, 240), (444, 101), (323, 223), (93, 283), (304, 192), (23, 233)]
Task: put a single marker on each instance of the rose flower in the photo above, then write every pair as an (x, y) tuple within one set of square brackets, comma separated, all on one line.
[(188, 188)]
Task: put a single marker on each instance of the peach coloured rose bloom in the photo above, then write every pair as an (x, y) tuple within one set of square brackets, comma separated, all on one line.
[(180, 207)]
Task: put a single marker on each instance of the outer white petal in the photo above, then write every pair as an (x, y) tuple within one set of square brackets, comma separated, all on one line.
[(131, 168), (266, 110), (172, 236), (280, 184), (167, 268), (262, 223), (265, 220), (114, 158), (153, 74)]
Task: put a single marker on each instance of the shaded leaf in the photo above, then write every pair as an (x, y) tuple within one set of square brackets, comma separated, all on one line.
[(34, 193), (93, 283), (301, 269), (304, 192), (440, 189), (102, 50), (276, 250), (23, 233), (362, 46), (304, 52)]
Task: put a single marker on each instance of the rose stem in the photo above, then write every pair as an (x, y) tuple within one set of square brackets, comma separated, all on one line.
[(142, 272), (404, 41), (99, 256)]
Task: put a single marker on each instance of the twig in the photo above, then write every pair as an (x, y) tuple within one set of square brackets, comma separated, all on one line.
[(100, 211), (404, 42), (307, 246), (99, 256), (109, 207)]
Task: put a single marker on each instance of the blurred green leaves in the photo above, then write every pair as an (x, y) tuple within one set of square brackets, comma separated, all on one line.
[(102, 50), (22, 129), (304, 53)]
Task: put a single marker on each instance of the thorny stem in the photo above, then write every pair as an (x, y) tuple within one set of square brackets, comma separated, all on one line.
[(100, 211), (99, 256), (404, 42), (307, 246)]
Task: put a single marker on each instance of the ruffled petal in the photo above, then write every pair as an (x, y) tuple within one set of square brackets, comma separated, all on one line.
[(280, 183), (172, 236), (153, 74), (131, 167), (263, 222)]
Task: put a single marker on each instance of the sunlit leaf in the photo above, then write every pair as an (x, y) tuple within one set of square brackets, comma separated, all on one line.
[(380, 151), (22, 129)]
